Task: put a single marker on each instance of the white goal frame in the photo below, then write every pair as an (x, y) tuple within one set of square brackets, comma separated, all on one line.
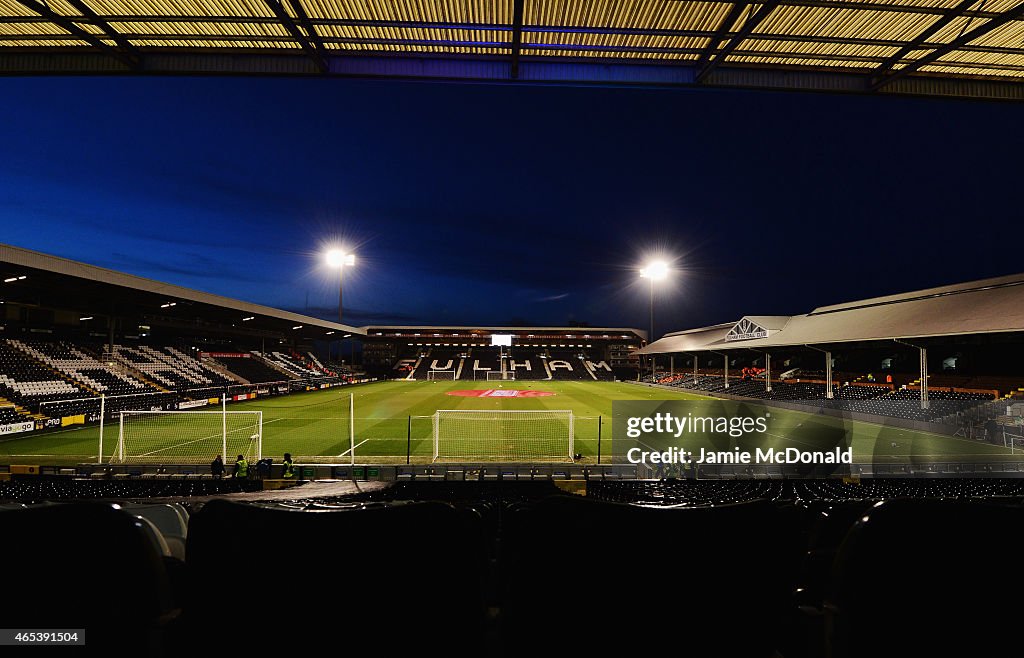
[(119, 453), (566, 453), (501, 376), (432, 375)]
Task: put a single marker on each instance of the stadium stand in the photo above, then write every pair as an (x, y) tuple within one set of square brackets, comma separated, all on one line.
[(288, 363), (169, 367), (75, 363), (687, 560), (878, 399), (566, 365), (28, 382), (479, 361), (439, 358), (252, 370), (528, 362)]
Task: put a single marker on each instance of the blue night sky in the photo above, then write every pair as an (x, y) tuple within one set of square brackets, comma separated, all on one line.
[(491, 204)]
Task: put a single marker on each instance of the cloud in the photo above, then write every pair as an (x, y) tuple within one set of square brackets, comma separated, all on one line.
[(191, 265)]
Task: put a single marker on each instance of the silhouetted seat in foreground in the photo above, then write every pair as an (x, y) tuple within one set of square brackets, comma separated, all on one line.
[(385, 578)]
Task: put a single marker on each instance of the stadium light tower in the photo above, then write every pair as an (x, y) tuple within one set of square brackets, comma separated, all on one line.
[(340, 259), (655, 271)]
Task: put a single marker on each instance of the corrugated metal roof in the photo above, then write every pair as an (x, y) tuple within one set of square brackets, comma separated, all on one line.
[(976, 307), (841, 37)]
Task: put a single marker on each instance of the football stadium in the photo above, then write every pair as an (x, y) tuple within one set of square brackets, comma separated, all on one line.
[(506, 328)]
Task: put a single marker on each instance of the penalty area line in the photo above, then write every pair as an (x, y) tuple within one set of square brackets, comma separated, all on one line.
[(353, 447)]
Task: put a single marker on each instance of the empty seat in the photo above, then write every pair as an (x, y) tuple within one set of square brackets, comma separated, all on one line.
[(85, 566), (926, 577), (338, 578), (709, 581)]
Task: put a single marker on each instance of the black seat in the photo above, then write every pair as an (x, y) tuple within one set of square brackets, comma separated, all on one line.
[(384, 578), (926, 577), (88, 566), (613, 578)]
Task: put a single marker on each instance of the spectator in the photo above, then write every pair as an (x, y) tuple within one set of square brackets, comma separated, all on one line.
[(241, 471), (217, 467)]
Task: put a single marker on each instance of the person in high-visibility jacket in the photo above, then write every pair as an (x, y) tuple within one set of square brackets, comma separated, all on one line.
[(289, 468), (241, 468)]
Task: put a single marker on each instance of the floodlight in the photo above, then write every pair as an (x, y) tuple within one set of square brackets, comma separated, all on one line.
[(655, 271), (338, 258)]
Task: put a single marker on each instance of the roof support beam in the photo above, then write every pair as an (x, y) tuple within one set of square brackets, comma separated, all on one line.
[(67, 23), (95, 19), (277, 7), (720, 34), (978, 32), (307, 25), (517, 36), (921, 38), (748, 26)]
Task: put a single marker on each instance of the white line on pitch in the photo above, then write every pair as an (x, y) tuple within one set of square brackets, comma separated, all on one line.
[(353, 447)]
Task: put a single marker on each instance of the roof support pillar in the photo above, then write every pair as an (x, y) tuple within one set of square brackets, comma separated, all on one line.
[(725, 358), (924, 377), (672, 364), (829, 386)]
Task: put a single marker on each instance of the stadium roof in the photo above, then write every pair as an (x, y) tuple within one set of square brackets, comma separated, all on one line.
[(977, 307), (35, 279), (966, 48), (590, 331)]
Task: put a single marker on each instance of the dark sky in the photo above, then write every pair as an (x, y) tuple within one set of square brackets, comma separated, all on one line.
[(491, 204)]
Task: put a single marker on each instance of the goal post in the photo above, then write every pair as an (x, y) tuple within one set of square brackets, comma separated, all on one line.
[(497, 375), (441, 374), (462, 435), (188, 437)]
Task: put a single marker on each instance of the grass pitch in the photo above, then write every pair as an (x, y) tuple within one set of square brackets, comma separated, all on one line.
[(392, 419)]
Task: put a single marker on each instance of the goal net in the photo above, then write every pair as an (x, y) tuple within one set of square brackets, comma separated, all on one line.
[(441, 374), (509, 435), (493, 375), (188, 437)]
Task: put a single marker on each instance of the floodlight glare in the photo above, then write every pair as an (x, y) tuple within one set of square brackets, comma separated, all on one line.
[(338, 258), (655, 271)]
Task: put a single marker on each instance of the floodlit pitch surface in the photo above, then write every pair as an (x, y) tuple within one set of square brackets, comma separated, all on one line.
[(314, 426)]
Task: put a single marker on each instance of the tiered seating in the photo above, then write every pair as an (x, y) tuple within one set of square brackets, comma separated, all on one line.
[(10, 415), (577, 369), (440, 358), (289, 363), (252, 370), (744, 568), (481, 357), (25, 381), (78, 365), (169, 367), (854, 392), (522, 356), (879, 400)]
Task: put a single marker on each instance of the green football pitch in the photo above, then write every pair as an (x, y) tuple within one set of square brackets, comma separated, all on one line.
[(392, 422)]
